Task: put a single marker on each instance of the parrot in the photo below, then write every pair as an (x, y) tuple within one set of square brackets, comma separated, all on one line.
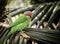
[(19, 24)]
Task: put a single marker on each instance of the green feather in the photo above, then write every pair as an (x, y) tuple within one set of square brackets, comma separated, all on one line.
[(19, 27), (19, 20)]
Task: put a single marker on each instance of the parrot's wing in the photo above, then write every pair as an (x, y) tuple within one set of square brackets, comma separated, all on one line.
[(20, 26), (19, 20)]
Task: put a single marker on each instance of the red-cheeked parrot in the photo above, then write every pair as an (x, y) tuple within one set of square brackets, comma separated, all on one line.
[(20, 23)]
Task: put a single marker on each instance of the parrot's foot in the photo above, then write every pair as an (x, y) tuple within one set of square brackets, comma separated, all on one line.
[(24, 35)]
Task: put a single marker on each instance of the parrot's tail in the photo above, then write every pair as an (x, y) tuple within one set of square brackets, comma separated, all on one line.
[(5, 39), (4, 35)]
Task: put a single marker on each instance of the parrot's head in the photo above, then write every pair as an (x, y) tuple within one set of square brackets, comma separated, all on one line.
[(28, 13)]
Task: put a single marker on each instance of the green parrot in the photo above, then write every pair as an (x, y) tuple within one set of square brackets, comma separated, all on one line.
[(19, 24)]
